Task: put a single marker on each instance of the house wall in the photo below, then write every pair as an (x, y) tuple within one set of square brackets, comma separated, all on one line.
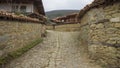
[(15, 35), (29, 7), (8, 7), (100, 32)]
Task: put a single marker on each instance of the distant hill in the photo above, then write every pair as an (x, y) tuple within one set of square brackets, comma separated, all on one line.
[(57, 13)]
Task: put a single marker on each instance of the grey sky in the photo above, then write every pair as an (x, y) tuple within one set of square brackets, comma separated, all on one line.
[(65, 4)]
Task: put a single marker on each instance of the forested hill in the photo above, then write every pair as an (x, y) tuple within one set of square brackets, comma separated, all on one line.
[(57, 13)]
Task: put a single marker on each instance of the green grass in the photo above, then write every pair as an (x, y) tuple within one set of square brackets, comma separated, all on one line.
[(19, 52), (46, 32)]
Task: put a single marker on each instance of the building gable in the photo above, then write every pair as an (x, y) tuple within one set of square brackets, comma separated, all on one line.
[(35, 6)]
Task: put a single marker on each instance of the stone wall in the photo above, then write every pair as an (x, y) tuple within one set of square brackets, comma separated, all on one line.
[(100, 28), (15, 35), (66, 27)]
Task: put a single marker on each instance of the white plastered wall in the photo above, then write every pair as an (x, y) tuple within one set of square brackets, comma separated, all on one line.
[(8, 7)]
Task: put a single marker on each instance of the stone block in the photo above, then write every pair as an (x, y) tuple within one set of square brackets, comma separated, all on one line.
[(116, 15), (4, 38), (103, 39), (112, 12), (118, 32), (109, 24), (113, 35), (1, 53), (118, 42), (91, 31), (111, 42), (92, 26), (95, 39), (111, 30), (115, 38), (117, 19), (108, 17), (108, 9), (117, 25), (100, 32), (99, 26)]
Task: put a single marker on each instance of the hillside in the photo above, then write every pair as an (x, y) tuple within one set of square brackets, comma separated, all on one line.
[(57, 13)]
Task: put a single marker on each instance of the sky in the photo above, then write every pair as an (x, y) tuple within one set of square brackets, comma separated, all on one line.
[(50, 5)]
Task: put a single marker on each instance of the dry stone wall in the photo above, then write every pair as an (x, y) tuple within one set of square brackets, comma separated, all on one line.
[(100, 28), (15, 35)]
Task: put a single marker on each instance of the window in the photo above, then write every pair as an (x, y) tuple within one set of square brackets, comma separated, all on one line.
[(15, 8), (23, 9)]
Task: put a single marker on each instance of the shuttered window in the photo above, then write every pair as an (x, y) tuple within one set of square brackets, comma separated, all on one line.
[(23, 9), (15, 8)]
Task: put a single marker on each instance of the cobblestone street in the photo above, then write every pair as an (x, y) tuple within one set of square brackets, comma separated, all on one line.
[(58, 50)]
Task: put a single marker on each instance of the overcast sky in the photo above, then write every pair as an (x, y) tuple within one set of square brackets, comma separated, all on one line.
[(65, 4)]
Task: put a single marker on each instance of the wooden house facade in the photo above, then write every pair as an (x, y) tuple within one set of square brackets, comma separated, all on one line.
[(22, 6)]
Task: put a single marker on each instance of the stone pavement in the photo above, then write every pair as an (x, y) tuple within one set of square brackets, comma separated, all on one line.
[(59, 50)]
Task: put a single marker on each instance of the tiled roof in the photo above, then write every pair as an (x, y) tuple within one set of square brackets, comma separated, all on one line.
[(20, 17)]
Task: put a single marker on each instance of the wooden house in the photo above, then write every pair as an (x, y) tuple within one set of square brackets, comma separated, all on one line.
[(22, 6)]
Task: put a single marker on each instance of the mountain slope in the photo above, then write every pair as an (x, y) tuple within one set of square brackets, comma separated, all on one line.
[(57, 13)]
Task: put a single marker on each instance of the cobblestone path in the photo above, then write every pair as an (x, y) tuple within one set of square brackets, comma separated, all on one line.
[(59, 50)]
